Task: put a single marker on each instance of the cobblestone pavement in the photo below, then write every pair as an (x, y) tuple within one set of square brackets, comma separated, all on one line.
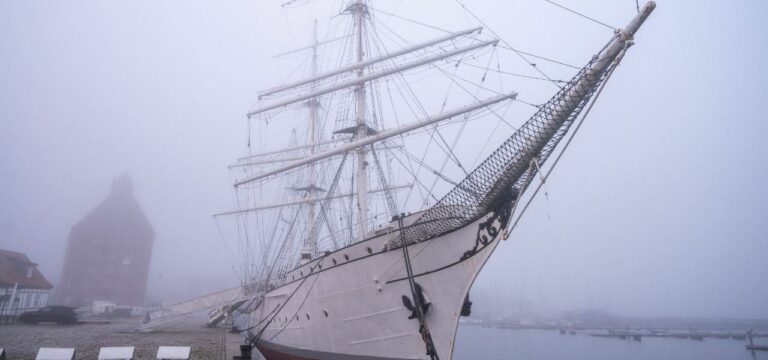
[(22, 341)]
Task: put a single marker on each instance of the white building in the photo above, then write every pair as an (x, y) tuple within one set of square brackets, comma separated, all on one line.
[(22, 286)]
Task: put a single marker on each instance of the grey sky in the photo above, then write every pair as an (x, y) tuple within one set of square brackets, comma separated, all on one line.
[(658, 208)]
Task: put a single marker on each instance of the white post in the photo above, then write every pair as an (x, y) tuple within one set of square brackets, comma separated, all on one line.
[(13, 311)]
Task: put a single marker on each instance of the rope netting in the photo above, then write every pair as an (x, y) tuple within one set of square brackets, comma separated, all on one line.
[(508, 171)]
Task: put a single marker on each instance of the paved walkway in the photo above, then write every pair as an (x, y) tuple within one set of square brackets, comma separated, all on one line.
[(22, 341)]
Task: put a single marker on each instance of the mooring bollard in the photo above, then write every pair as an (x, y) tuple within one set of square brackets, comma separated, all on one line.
[(245, 352)]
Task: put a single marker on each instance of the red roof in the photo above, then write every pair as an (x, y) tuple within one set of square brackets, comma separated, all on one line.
[(14, 269)]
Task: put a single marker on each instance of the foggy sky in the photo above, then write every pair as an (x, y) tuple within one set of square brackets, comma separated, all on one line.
[(658, 208)]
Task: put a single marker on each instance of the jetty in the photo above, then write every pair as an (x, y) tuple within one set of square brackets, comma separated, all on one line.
[(751, 346), (621, 334)]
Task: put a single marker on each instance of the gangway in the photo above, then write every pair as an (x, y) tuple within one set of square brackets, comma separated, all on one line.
[(219, 306)]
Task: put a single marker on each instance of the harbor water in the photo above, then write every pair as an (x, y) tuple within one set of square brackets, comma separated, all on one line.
[(490, 343)]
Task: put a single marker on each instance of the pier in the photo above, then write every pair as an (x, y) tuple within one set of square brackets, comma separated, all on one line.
[(682, 335)]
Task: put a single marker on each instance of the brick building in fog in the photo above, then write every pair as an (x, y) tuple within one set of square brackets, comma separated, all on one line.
[(108, 252)]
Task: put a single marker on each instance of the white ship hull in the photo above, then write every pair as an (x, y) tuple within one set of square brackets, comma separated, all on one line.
[(355, 310), (357, 302)]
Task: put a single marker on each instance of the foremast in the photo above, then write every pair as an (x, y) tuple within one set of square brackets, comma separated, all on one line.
[(311, 190), (359, 10)]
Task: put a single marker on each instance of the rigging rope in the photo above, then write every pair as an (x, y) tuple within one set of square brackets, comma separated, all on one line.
[(315, 230), (415, 178), (443, 144), (505, 42), (582, 15), (413, 96), (568, 142), (438, 174), (410, 20), (540, 57), (256, 338), (384, 183), (499, 71)]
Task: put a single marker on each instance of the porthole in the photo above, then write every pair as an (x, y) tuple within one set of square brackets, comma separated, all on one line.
[(333, 261), (301, 273), (319, 267), (346, 257), (297, 317), (370, 251), (325, 312), (307, 316)]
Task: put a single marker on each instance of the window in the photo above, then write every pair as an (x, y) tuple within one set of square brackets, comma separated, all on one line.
[(369, 250), (333, 261), (30, 271), (346, 257), (325, 312), (307, 316)]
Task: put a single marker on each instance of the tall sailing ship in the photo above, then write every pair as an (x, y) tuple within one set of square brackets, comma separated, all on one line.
[(363, 219)]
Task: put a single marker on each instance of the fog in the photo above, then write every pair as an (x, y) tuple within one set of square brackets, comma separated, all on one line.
[(658, 208)]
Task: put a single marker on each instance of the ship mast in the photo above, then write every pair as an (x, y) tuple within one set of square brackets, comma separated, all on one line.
[(364, 136), (310, 243), (359, 9)]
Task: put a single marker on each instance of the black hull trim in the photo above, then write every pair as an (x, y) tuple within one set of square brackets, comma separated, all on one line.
[(272, 351)]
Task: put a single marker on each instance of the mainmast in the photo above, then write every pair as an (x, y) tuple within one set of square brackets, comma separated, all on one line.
[(359, 10), (364, 135), (310, 243)]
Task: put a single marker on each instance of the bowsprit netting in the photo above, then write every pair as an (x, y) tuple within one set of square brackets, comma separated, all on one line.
[(507, 172)]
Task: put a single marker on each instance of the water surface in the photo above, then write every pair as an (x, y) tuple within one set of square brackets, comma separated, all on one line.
[(476, 342)]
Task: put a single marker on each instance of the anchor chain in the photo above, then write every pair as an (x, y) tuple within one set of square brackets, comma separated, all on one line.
[(418, 297)]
